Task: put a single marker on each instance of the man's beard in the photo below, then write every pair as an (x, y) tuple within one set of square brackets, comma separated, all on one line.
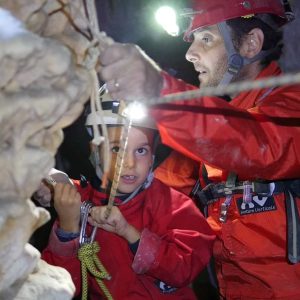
[(217, 74)]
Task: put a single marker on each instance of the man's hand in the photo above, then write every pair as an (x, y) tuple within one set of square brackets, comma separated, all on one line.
[(115, 223), (129, 73), (67, 202)]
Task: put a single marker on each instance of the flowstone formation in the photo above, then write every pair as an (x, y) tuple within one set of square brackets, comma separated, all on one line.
[(46, 60), (62, 20)]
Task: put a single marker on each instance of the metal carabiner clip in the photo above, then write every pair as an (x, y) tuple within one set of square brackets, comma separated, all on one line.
[(84, 214)]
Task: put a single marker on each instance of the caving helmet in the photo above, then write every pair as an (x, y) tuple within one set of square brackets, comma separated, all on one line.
[(113, 112)]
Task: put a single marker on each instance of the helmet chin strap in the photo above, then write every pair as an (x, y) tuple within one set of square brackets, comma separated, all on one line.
[(235, 61), (140, 188)]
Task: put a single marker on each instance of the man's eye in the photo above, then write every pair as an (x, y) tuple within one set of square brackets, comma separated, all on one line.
[(206, 39), (115, 149)]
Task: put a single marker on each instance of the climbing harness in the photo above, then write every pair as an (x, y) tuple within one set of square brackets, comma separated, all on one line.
[(213, 191), (87, 255), (291, 188)]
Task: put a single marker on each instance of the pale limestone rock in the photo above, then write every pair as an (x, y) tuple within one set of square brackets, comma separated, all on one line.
[(21, 9), (45, 282), (52, 19), (42, 89), (44, 93), (48, 283), (17, 223)]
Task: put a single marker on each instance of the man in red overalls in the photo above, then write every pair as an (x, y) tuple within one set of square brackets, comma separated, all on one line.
[(247, 142)]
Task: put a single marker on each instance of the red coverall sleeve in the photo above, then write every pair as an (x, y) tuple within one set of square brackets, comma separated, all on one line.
[(262, 142), (64, 254), (178, 243)]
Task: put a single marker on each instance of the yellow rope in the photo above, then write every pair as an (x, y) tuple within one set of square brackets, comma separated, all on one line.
[(87, 254)]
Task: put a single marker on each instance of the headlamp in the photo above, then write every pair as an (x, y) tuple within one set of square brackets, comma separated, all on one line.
[(166, 16), (173, 21), (135, 111)]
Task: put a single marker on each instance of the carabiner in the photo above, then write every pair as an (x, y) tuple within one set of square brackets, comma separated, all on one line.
[(84, 214)]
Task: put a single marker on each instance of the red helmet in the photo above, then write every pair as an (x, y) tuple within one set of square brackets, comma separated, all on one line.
[(211, 12)]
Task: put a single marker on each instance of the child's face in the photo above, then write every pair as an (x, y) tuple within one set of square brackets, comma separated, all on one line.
[(138, 158)]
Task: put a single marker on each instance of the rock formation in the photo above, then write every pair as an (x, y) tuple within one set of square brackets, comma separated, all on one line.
[(45, 79)]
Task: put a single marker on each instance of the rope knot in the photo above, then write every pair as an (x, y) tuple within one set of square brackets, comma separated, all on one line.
[(86, 251), (90, 262)]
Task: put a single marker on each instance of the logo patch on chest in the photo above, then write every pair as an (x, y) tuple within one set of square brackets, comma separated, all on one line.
[(164, 288), (258, 204)]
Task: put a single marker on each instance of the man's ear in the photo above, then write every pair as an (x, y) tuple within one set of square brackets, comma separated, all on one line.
[(252, 43)]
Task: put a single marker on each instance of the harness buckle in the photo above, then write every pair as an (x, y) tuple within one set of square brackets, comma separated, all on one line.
[(223, 213), (85, 209), (224, 209), (262, 188)]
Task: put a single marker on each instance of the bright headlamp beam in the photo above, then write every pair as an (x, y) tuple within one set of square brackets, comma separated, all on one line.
[(166, 17), (135, 111)]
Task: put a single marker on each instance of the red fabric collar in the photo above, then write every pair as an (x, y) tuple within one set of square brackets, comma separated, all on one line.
[(246, 100)]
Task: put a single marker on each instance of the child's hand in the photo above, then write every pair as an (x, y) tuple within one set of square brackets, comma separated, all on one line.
[(67, 202), (115, 223)]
